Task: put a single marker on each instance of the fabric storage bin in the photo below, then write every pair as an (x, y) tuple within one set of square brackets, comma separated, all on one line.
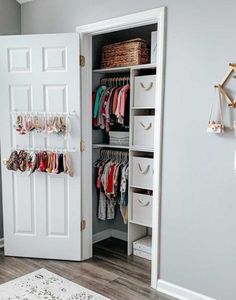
[(127, 53), (142, 254), (142, 209), (143, 247), (142, 172), (143, 134), (119, 138), (145, 91)]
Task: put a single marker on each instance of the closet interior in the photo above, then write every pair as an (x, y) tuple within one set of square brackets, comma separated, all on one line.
[(124, 115)]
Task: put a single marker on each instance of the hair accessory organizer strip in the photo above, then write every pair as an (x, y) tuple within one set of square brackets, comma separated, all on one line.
[(52, 149), (43, 113)]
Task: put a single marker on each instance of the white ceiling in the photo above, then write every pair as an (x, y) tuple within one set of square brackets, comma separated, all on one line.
[(23, 1)]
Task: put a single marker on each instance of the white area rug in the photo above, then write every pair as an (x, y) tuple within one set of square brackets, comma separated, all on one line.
[(43, 284)]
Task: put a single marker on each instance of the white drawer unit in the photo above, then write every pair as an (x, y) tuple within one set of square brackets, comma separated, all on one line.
[(142, 172), (142, 209), (144, 91), (143, 132)]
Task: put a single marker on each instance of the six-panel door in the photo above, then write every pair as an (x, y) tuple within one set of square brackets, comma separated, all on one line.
[(42, 212)]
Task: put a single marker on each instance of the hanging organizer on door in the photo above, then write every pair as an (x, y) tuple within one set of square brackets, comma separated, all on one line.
[(51, 161), (41, 122)]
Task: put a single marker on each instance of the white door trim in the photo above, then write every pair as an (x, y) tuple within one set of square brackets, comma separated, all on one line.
[(128, 21), (179, 292), (86, 32)]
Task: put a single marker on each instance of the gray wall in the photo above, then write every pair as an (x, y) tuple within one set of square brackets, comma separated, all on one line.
[(10, 17), (10, 23), (198, 244)]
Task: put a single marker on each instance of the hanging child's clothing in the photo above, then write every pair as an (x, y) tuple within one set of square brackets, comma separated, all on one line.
[(112, 187), (124, 193), (111, 107)]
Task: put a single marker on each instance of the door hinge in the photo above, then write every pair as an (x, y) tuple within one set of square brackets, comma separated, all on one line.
[(83, 225), (82, 146), (82, 60)]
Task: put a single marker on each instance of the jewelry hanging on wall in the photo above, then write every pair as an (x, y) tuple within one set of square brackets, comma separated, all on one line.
[(214, 126), (224, 95)]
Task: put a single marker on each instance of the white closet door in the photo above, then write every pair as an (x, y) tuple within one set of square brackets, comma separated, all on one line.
[(42, 212)]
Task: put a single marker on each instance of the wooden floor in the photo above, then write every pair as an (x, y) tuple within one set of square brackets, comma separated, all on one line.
[(110, 272)]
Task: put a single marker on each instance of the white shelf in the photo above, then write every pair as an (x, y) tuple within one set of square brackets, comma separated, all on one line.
[(139, 187), (133, 108), (112, 70), (141, 149), (97, 146), (125, 69), (145, 66), (139, 223)]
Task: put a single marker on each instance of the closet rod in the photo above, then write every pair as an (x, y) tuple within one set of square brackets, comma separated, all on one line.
[(115, 80), (51, 149), (114, 154), (15, 112)]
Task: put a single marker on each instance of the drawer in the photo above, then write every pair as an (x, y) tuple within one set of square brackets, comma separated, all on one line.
[(144, 91), (142, 172), (142, 209), (143, 133)]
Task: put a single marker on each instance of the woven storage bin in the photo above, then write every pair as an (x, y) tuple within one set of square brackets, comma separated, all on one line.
[(128, 53)]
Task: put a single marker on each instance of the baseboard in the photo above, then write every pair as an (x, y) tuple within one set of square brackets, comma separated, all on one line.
[(121, 235), (1, 243), (102, 235), (179, 292), (105, 234)]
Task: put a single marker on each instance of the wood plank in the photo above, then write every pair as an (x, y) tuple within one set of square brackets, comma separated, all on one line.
[(110, 272)]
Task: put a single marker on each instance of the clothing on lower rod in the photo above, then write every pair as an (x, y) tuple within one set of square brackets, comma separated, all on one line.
[(112, 187)]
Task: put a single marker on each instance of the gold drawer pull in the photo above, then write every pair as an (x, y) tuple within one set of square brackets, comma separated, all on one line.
[(146, 88), (143, 204), (143, 171), (146, 127)]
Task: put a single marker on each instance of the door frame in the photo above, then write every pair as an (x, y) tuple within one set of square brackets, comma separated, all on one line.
[(85, 34)]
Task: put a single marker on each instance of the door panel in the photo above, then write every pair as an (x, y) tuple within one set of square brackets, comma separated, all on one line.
[(57, 207), (42, 213), (23, 207)]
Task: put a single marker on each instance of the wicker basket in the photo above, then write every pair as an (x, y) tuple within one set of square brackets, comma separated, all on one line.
[(128, 53)]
